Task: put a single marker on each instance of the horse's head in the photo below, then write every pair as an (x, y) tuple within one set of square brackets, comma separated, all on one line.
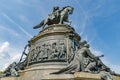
[(70, 9)]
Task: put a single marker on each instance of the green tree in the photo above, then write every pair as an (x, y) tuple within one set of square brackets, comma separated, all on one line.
[(1, 72)]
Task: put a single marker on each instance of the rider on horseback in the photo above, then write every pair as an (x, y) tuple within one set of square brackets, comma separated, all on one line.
[(55, 13), (56, 17)]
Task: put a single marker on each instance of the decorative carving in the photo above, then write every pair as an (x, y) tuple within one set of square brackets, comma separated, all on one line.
[(49, 52), (34, 56), (78, 60), (55, 53), (62, 50)]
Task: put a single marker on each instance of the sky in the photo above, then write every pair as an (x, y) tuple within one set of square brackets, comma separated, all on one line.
[(97, 21)]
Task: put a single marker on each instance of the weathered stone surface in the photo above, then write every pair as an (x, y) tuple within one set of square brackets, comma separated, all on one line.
[(9, 78), (116, 77), (86, 76), (56, 43), (35, 75)]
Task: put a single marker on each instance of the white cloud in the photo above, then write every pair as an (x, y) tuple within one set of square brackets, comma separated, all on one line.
[(115, 68), (5, 66), (6, 62), (16, 57), (8, 54), (4, 46)]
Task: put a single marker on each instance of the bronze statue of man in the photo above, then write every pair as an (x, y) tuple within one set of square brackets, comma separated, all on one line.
[(49, 19), (55, 13), (79, 60), (56, 17)]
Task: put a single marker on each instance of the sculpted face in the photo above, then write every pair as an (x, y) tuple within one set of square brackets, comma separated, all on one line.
[(56, 8), (87, 45)]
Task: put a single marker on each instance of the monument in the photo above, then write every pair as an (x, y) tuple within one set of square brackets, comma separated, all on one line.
[(57, 53)]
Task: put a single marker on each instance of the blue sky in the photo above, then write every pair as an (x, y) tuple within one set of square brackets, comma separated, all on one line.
[(97, 21)]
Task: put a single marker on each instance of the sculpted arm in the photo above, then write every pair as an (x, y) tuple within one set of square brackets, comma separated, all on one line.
[(90, 54)]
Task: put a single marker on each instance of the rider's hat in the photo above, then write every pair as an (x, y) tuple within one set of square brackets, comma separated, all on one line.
[(56, 7)]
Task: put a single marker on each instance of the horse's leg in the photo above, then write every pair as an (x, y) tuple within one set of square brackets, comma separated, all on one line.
[(44, 24), (61, 20), (69, 22)]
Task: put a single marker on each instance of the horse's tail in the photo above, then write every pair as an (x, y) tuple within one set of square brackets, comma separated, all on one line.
[(39, 25)]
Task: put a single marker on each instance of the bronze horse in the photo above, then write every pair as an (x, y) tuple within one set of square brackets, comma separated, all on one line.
[(60, 19)]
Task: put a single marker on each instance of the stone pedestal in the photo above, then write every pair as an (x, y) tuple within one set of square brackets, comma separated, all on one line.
[(10, 78), (55, 44), (36, 75), (51, 50), (86, 76)]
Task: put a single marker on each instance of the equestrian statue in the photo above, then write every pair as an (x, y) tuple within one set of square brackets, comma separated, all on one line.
[(56, 17)]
